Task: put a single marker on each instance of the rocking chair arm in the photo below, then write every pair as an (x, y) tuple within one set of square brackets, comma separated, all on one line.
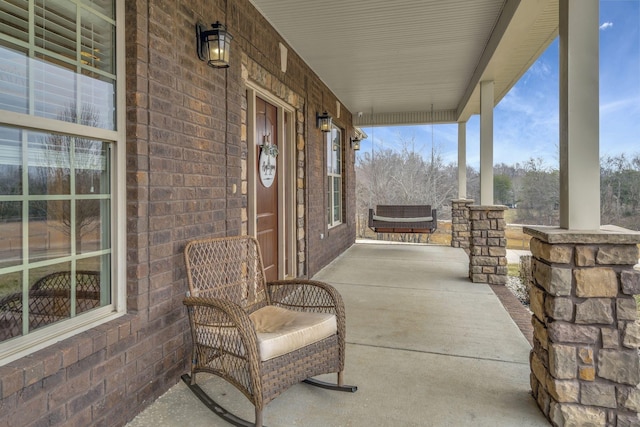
[(214, 324), (307, 295), (216, 311), (231, 308)]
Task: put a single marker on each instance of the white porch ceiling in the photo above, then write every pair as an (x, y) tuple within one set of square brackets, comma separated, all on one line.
[(397, 61)]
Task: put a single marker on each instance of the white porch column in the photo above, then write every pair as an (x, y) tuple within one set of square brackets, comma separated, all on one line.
[(579, 115), (486, 143), (462, 160)]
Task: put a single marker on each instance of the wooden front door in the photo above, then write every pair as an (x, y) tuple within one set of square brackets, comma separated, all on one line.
[(267, 186)]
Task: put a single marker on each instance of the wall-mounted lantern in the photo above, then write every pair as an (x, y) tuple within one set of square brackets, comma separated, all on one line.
[(214, 46), (324, 121)]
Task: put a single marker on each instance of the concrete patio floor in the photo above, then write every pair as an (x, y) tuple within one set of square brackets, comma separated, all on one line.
[(425, 347)]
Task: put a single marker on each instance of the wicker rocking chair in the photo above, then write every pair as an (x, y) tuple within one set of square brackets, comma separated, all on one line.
[(261, 337)]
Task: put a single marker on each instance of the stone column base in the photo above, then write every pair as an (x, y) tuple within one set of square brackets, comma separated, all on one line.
[(460, 228), (488, 245), (584, 363)]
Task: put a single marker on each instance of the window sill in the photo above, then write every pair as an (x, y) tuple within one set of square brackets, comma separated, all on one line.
[(19, 347)]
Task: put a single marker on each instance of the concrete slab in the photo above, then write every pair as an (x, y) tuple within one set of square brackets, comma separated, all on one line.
[(433, 322), (421, 299), (425, 347), (395, 388), (400, 266)]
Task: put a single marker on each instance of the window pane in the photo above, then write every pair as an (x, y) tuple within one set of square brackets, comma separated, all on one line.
[(55, 26), (13, 79), (93, 276), (14, 19), (10, 162), (337, 200), (97, 95), (10, 305), (10, 179), (67, 214), (49, 229), (56, 292), (49, 164), (337, 150), (10, 234), (105, 7), (54, 88), (49, 294), (10, 283), (329, 203), (92, 220), (91, 174), (329, 152), (97, 41), (72, 75)]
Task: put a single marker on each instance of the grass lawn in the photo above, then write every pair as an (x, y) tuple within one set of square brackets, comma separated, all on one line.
[(513, 270)]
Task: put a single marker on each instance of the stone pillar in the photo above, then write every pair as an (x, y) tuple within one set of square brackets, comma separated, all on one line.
[(488, 245), (584, 363), (460, 229)]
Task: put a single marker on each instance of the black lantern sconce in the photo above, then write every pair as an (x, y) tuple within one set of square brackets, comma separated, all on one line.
[(324, 121), (355, 143), (214, 45)]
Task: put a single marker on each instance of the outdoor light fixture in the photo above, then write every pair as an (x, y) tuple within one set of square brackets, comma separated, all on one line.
[(355, 143), (214, 45), (324, 121)]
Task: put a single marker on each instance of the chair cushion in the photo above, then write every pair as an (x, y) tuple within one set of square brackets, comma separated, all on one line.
[(281, 331)]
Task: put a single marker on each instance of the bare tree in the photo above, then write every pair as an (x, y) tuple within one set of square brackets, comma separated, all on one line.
[(473, 184), (620, 191), (402, 176), (540, 195), (52, 175)]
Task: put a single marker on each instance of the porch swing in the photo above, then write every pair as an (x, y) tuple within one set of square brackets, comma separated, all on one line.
[(403, 219), (411, 219)]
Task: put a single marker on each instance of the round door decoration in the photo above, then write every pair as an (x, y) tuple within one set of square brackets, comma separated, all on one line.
[(267, 162)]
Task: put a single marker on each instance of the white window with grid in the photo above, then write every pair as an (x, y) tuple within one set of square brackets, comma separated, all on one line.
[(334, 176), (61, 170)]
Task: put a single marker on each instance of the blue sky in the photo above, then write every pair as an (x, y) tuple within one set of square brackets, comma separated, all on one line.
[(526, 119)]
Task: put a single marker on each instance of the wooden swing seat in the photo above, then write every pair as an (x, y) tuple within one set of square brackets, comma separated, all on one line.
[(403, 219)]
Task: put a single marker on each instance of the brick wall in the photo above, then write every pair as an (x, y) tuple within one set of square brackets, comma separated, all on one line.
[(99, 377), (185, 150)]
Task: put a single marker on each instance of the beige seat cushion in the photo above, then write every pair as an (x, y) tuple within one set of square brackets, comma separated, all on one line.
[(400, 219), (281, 331)]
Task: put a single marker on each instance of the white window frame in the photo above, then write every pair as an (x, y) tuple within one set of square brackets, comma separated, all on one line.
[(18, 347), (332, 175)]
